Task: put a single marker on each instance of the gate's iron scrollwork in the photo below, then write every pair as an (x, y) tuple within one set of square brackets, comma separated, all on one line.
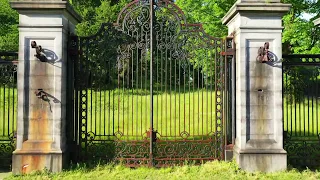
[(8, 107), (150, 89), (301, 102)]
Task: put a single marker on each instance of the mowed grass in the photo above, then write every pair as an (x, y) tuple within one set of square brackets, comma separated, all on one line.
[(127, 112), (215, 170), (8, 111), (302, 118)]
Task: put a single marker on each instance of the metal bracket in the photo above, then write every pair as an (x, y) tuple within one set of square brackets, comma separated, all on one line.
[(39, 52), (263, 53)]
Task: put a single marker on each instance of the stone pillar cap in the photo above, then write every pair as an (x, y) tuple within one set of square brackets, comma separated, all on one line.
[(45, 5), (256, 6)]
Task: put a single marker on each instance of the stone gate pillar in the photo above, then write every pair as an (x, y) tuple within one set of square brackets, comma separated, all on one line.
[(259, 130), (42, 77)]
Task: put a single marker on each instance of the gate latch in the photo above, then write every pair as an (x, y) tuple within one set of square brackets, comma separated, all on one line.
[(154, 135)]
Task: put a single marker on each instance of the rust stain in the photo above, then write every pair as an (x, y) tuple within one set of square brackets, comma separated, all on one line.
[(38, 124), (32, 163), (39, 141)]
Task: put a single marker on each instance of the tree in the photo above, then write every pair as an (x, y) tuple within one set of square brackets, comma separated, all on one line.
[(94, 13), (300, 36), (207, 12), (9, 34)]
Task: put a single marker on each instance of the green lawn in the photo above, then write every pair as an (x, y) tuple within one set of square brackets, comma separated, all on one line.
[(302, 118), (193, 112), (212, 171), (128, 112), (8, 110)]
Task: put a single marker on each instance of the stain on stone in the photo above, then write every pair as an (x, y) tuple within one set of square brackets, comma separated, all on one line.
[(32, 163), (40, 138)]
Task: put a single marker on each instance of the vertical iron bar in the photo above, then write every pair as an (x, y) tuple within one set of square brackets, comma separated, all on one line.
[(295, 109), (202, 114), (100, 110), (3, 118), (104, 107), (161, 78), (13, 102), (214, 84), (207, 89), (151, 90), (91, 112), (85, 92), (123, 97), (317, 109), (184, 96), (233, 71), (179, 86), (224, 95), (128, 93), (170, 91), (175, 96), (137, 85), (4, 109), (284, 98), (118, 98), (189, 74), (193, 100), (9, 106), (141, 83), (312, 96), (157, 81), (198, 79), (76, 96), (289, 111), (132, 86), (308, 94)]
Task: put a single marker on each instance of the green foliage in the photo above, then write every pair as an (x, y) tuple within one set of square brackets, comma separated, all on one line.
[(301, 36), (207, 12), (94, 13), (9, 34)]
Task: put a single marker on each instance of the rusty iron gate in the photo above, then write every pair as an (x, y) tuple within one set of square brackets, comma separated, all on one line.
[(149, 89), (301, 109), (8, 107)]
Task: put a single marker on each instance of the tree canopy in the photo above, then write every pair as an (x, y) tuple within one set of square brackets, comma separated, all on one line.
[(299, 34)]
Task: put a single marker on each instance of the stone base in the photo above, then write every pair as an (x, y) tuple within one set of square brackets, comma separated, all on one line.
[(261, 160), (229, 155), (229, 152), (25, 162)]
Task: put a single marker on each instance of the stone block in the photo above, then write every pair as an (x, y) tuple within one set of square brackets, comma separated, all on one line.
[(27, 162), (263, 161)]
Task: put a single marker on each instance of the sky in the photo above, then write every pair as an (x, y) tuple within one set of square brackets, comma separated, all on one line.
[(307, 16)]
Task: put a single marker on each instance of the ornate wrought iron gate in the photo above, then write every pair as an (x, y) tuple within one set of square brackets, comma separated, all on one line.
[(8, 109), (149, 89), (301, 109)]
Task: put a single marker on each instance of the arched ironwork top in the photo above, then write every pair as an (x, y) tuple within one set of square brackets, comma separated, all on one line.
[(167, 4)]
